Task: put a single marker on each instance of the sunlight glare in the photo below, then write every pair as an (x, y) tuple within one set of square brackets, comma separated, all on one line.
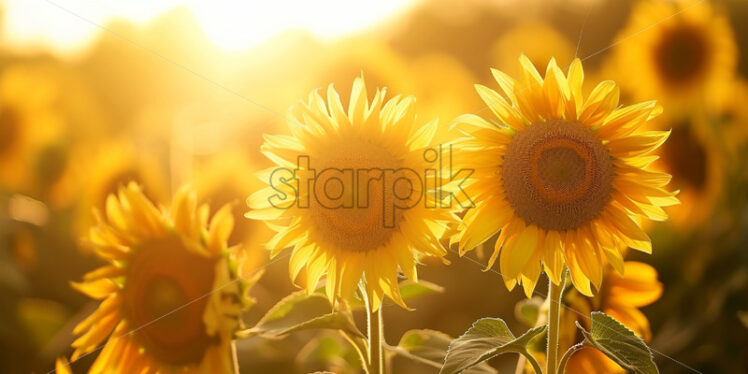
[(69, 26)]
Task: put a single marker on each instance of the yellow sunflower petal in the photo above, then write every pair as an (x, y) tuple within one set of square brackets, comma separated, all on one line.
[(517, 251), (96, 289)]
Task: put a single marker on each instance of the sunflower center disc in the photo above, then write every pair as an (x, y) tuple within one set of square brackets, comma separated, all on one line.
[(681, 54), (687, 157), (351, 207), (557, 175), (162, 278)]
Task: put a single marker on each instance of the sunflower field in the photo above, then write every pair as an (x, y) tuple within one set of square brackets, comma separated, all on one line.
[(399, 187)]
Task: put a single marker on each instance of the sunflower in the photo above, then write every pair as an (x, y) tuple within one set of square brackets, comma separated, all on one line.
[(563, 178), (62, 366), (695, 160), (367, 239), (732, 117), (218, 183), (29, 123), (619, 297), (444, 97), (114, 164), (537, 40), (168, 300), (384, 66), (686, 59)]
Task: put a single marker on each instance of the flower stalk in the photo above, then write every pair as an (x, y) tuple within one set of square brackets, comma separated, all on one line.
[(567, 356), (375, 328), (554, 321), (234, 358)]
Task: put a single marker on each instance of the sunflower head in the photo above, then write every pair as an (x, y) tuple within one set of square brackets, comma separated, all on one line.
[(114, 165), (687, 59), (561, 175), (30, 124), (694, 156), (539, 41), (355, 208), (169, 297), (444, 97), (383, 65)]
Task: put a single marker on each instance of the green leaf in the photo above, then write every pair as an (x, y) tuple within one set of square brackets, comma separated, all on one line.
[(527, 311), (430, 347), (300, 311), (428, 344), (619, 343), (409, 290), (487, 338), (329, 350), (41, 318)]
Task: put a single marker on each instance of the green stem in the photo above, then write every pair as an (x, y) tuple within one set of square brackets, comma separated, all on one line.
[(554, 320), (361, 346), (523, 358), (234, 357), (521, 361), (535, 365), (567, 355), (376, 340)]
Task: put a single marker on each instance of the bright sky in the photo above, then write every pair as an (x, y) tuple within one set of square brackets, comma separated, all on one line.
[(232, 24)]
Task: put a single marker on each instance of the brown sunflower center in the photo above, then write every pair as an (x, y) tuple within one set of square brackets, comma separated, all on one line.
[(681, 54), (686, 157), (557, 175), (355, 193), (9, 129), (164, 301)]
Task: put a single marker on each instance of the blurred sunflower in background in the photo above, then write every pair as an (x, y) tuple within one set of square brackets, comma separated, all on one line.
[(222, 180), (446, 97), (370, 240), (384, 67), (29, 122), (111, 165), (730, 120), (563, 178), (537, 40), (696, 161), (686, 61), (170, 300)]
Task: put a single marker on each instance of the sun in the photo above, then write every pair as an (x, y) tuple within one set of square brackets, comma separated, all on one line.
[(169, 298), (353, 231), (563, 178)]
